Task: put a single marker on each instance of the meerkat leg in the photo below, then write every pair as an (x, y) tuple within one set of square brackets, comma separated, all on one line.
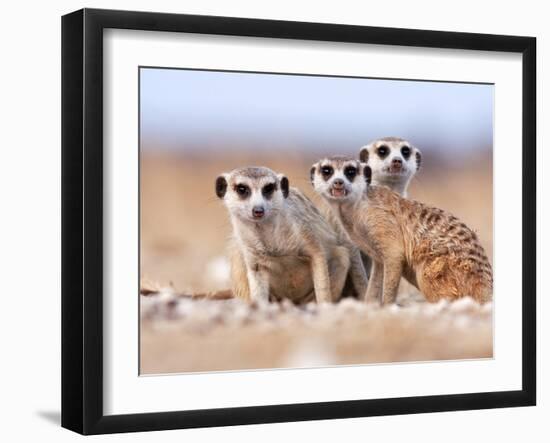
[(259, 285), (321, 279), (374, 289), (339, 268), (367, 263), (258, 281), (358, 273), (393, 269), (239, 275)]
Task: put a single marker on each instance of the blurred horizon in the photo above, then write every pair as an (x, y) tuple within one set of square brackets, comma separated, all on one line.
[(196, 111)]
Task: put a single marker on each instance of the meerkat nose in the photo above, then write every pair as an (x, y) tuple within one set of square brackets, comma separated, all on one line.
[(338, 183), (258, 211), (397, 161)]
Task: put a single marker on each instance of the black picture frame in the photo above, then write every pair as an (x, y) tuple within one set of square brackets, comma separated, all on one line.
[(82, 220)]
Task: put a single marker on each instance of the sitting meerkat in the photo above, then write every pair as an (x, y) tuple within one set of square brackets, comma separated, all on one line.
[(281, 247), (429, 247), (393, 161)]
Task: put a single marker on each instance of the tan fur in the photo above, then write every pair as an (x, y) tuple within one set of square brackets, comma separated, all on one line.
[(357, 281), (429, 247), (293, 253)]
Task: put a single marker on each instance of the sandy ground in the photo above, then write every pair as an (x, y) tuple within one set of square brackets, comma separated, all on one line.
[(184, 230), (183, 335)]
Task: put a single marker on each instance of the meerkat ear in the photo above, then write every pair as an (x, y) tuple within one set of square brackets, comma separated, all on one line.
[(283, 181), (367, 172), (418, 157), (312, 173), (364, 154), (221, 186)]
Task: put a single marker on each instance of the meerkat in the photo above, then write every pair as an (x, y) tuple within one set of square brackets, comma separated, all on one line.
[(357, 281), (393, 161), (429, 247), (281, 247)]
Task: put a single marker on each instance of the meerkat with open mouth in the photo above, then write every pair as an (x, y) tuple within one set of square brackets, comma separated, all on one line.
[(429, 247), (282, 247)]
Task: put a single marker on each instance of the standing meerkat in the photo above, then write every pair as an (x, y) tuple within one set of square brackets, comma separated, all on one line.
[(429, 247), (281, 247), (393, 161)]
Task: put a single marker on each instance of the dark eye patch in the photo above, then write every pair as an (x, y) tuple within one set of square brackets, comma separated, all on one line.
[(382, 151), (242, 191), (406, 152), (350, 172), (327, 171), (267, 190)]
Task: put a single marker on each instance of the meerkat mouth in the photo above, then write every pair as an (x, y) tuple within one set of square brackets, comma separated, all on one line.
[(338, 192), (396, 170)]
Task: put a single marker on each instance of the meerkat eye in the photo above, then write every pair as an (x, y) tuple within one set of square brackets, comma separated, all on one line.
[(327, 171), (383, 151), (350, 172), (406, 152), (268, 190), (242, 190)]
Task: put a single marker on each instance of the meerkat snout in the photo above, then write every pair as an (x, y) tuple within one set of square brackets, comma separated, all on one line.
[(339, 178), (253, 193), (338, 188), (396, 165), (258, 211)]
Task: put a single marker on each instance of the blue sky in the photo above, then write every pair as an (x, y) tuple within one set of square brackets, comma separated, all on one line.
[(202, 110)]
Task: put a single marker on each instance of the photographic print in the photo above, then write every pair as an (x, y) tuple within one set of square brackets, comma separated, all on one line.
[(254, 209), (299, 221)]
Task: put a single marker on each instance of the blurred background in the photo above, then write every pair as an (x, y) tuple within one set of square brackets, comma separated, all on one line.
[(196, 124)]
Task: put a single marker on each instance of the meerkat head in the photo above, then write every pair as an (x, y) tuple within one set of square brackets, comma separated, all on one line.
[(393, 161), (340, 178), (253, 194)]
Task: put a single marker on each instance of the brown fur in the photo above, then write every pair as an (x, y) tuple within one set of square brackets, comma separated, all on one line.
[(431, 248)]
